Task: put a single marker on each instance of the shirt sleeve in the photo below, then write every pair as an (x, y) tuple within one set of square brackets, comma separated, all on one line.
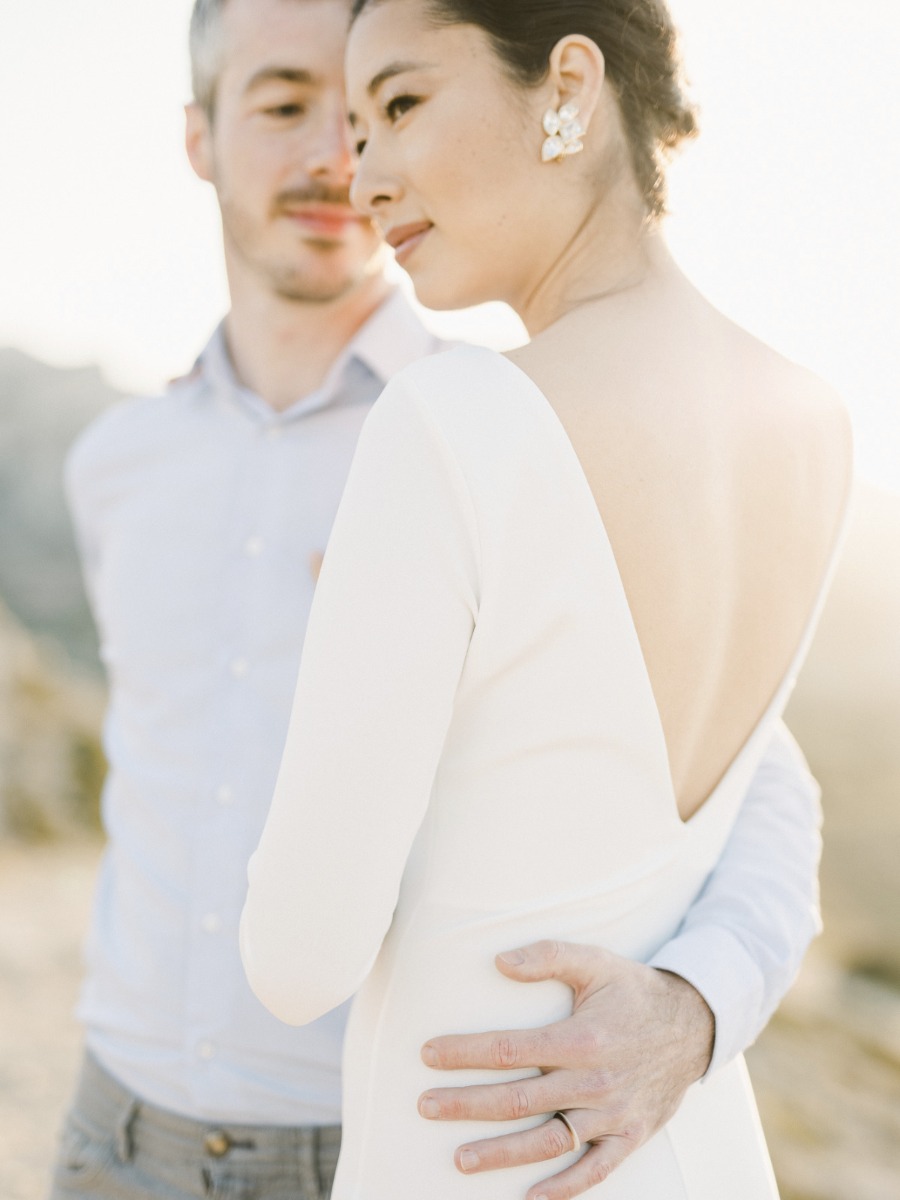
[(392, 619), (743, 940)]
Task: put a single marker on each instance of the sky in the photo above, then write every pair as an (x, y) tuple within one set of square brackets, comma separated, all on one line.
[(783, 212)]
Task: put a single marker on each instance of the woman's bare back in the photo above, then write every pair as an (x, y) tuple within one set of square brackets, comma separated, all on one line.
[(721, 473)]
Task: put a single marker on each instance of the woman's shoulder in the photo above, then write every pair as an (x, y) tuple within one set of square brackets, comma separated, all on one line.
[(466, 391), (802, 409), (798, 425), (465, 369)]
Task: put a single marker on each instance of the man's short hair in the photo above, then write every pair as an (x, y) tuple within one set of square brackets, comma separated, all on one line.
[(206, 42)]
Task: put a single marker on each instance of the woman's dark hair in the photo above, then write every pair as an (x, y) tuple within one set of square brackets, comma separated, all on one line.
[(639, 42)]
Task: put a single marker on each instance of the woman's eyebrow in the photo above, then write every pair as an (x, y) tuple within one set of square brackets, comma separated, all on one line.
[(392, 69)]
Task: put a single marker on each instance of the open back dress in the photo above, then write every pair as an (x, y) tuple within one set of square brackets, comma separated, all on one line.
[(476, 761)]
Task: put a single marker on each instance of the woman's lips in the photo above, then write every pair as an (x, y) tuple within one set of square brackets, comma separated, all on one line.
[(406, 238)]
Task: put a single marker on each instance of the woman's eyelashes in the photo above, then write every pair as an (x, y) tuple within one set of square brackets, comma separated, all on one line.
[(395, 108)]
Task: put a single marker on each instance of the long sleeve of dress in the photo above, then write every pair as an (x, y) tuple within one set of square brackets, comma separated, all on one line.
[(387, 639)]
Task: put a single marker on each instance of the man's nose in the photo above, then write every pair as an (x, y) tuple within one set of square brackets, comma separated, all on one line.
[(331, 154)]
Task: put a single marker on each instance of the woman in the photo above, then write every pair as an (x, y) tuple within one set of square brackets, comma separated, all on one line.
[(565, 596)]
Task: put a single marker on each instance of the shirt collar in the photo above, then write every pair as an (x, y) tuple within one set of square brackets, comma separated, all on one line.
[(391, 339)]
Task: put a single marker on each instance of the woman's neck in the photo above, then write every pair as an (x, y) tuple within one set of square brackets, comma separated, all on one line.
[(616, 249)]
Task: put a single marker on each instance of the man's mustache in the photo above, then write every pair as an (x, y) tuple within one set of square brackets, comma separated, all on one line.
[(313, 194)]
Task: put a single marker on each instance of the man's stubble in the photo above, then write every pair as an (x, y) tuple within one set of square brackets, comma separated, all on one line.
[(298, 272)]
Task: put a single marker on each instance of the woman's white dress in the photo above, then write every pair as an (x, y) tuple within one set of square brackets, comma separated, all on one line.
[(476, 761)]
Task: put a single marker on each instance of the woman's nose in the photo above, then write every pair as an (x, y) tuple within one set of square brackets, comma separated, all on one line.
[(373, 188)]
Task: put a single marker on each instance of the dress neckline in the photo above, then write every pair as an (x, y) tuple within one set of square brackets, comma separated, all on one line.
[(776, 703)]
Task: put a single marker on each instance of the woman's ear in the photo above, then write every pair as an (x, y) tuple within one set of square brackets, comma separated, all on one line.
[(577, 75)]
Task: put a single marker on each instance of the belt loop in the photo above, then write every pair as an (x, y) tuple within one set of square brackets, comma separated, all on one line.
[(124, 1137)]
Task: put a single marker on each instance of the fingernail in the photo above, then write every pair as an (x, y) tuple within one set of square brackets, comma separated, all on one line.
[(515, 958), (468, 1160), (429, 1056), (429, 1108)]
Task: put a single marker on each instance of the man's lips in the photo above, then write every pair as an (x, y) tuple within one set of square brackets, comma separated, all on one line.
[(405, 238), (329, 220)]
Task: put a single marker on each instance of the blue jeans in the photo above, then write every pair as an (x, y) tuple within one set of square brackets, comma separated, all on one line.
[(116, 1147)]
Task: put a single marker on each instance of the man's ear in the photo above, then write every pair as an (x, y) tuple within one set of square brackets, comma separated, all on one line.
[(198, 140)]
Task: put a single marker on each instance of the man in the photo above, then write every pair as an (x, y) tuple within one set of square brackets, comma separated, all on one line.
[(202, 515)]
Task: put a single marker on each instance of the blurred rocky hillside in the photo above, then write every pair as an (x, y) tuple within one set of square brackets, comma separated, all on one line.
[(42, 409), (51, 698), (846, 715), (51, 764), (827, 1071)]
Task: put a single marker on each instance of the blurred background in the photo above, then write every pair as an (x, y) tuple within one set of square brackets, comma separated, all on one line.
[(111, 280)]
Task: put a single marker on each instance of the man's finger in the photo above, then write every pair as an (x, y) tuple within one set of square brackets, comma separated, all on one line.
[(501, 1101), (551, 1139), (560, 1045), (592, 1168), (554, 1046), (572, 964)]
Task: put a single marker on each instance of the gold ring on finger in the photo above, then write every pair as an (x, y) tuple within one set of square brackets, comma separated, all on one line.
[(576, 1140)]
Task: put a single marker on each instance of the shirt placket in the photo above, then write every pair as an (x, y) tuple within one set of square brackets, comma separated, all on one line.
[(224, 805)]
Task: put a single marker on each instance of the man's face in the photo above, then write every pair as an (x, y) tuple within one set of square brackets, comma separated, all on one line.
[(279, 151)]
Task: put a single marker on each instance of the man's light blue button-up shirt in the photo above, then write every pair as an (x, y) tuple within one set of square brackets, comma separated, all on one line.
[(198, 513)]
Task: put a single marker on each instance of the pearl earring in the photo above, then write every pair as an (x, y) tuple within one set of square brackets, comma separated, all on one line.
[(564, 133)]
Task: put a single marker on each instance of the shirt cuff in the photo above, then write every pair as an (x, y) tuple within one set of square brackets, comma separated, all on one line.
[(715, 962)]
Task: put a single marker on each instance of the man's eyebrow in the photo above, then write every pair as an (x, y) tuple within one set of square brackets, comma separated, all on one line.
[(392, 69), (280, 74)]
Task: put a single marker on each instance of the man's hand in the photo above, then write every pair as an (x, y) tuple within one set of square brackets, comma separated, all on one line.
[(618, 1067)]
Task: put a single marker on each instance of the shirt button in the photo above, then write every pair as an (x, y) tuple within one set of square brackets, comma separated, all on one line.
[(211, 923), (206, 1050), (254, 546), (239, 668), (217, 1143), (225, 795), (273, 433)]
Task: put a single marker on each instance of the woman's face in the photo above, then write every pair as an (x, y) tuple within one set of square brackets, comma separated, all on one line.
[(450, 156)]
